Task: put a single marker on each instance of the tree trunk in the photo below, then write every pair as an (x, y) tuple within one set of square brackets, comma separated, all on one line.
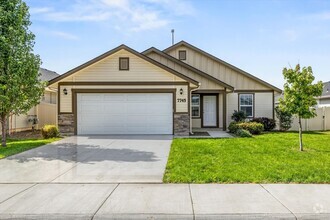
[(3, 129), (300, 136)]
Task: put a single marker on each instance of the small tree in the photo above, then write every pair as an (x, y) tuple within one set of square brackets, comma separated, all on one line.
[(20, 88), (238, 116), (284, 117), (299, 94)]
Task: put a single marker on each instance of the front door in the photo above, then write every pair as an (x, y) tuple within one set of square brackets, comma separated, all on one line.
[(209, 111)]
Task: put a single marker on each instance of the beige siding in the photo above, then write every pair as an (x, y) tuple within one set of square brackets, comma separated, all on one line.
[(263, 105), (218, 70), (232, 105), (205, 83), (196, 123), (49, 97), (220, 110), (66, 100), (108, 70)]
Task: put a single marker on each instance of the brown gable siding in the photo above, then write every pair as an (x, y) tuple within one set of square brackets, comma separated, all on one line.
[(219, 68)]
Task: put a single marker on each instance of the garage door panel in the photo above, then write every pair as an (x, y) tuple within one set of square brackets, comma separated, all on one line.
[(114, 98), (113, 113)]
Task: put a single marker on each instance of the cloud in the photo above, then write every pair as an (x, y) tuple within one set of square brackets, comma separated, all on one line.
[(64, 35), (39, 10), (133, 15)]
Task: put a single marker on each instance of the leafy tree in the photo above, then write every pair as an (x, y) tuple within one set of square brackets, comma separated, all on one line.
[(20, 88), (299, 94), (285, 119)]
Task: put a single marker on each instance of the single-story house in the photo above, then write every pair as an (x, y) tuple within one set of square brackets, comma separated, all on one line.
[(157, 92), (324, 99), (45, 111)]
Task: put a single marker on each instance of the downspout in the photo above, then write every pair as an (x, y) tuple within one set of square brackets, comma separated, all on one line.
[(190, 111)]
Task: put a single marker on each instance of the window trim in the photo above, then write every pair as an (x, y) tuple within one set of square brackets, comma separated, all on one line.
[(253, 103), (185, 54), (124, 58), (199, 106)]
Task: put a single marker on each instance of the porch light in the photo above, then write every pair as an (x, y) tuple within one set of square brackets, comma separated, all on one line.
[(181, 91), (65, 91)]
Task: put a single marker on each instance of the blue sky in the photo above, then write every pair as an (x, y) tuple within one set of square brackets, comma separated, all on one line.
[(258, 36)]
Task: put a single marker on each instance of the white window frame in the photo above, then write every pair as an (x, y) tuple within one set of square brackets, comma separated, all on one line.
[(194, 105), (252, 105)]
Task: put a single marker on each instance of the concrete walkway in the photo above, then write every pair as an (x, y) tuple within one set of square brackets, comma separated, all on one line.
[(164, 201)]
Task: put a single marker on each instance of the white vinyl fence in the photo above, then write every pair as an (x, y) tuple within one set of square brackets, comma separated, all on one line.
[(320, 123)]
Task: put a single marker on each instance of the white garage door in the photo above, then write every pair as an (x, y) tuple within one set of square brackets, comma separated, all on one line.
[(124, 113)]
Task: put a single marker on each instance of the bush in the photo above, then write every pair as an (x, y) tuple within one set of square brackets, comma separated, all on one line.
[(285, 119), (252, 127), (238, 116), (243, 133), (233, 127), (269, 123), (50, 131)]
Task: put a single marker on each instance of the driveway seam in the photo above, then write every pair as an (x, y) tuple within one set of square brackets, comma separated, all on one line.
[(278, 201), (192, 202), (104, 201), (18, 193)]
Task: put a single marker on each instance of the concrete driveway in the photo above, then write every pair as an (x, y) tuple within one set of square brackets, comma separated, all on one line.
[(91, 159)]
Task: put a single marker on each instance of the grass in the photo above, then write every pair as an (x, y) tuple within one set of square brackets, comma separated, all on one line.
[(268, 158), (20, 145)]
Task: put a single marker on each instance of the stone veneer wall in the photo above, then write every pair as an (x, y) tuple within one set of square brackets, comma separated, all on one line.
[(66, 124), (181, 124)]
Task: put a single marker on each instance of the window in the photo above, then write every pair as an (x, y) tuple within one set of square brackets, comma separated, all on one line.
[(195, 106), (246, 104), (123, 63), (182, 55)]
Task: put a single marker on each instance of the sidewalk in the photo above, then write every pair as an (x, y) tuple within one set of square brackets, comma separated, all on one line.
[(164, 201)]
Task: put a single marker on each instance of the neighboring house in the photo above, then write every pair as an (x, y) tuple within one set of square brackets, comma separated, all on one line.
[(324, 99), (157, 92), (45, 112)]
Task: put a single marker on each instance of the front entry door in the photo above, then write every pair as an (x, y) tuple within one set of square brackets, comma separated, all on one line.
[(209, 111)]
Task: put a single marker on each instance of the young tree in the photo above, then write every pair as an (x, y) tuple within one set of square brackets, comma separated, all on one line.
[(20, 88), (299, 94)]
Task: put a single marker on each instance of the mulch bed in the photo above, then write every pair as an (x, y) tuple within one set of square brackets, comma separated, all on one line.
[(26, 135)]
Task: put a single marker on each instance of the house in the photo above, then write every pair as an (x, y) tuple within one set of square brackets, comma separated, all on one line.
[(324, 99), (157, 92), (45, 112)]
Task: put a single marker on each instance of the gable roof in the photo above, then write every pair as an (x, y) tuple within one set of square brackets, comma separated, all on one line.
[(110, 52), (195, 70), (183, 43), (46, 75)]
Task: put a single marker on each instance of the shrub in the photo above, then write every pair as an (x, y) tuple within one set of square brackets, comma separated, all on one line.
[(243, 133), (233, 127), (285, 119), (252, 127), (269, 123), (50, 131), (238, 116)]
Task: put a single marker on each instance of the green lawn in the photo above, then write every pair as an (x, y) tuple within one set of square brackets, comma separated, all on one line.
[(18, 146), (267, 158)]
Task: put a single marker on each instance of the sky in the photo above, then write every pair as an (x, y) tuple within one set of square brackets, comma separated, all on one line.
[(259, 36)]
